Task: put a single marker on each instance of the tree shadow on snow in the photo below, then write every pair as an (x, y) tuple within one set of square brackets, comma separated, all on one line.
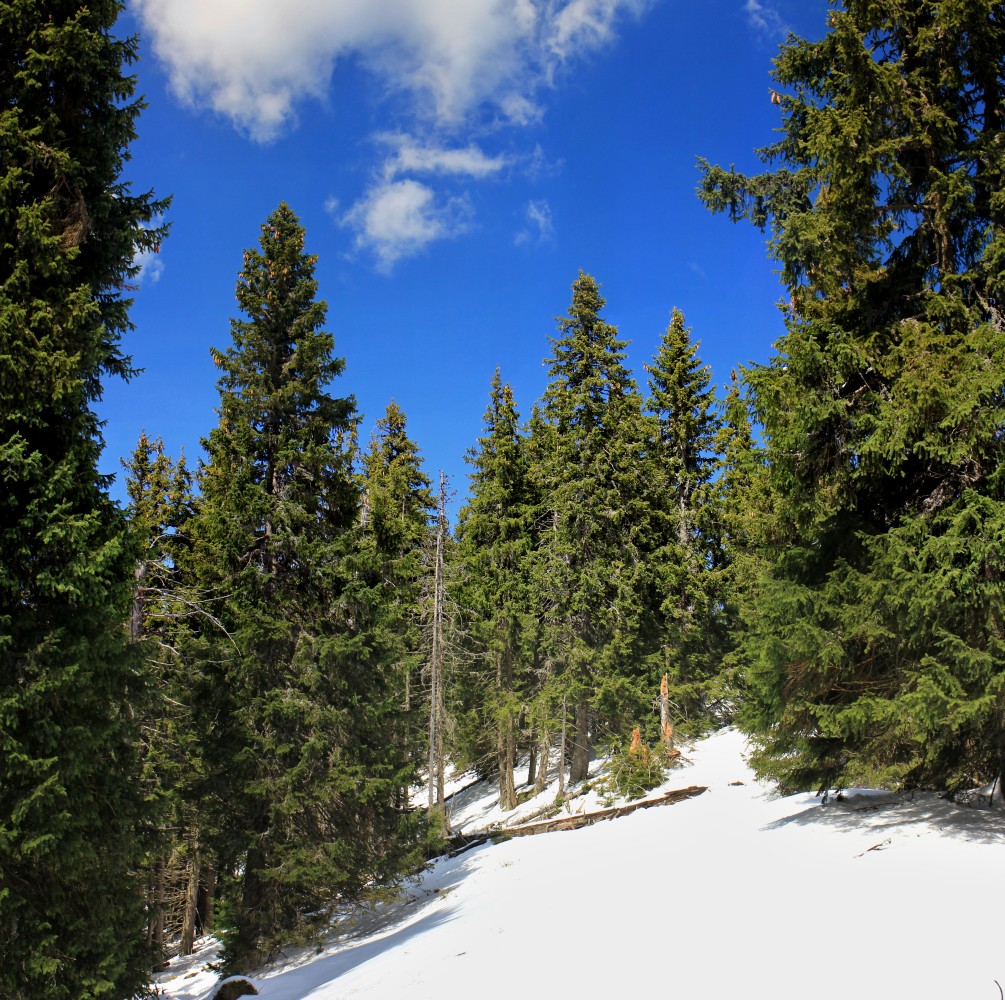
[(370, 932), (883, 812)]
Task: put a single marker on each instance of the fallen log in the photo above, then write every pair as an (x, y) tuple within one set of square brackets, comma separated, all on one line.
[(577, 820), (461, 842)]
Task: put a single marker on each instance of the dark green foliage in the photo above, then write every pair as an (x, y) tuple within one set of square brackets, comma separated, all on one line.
[(686, 561), (876, 647), (744, 527), (595, 519), (398, 508), (71, 920), (495, 546), (169, 614), (309, 774)]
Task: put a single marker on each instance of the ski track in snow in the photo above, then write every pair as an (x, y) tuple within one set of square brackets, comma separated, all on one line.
[(739, 893)]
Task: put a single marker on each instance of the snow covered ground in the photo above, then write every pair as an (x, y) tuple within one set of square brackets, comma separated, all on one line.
[(736, 893)]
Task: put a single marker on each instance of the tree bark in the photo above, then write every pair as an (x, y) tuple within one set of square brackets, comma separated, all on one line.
[(666, 726), (506, 738), (580, 764), (541, 778), (207, 898), (562, 746), (155, 920), (190, 915), (136, 613), (437, 711)]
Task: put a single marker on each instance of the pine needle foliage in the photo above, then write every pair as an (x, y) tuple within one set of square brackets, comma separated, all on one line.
[(71, 815), (309, 774), (876, 651), (591, 477), (686, 563), (494, 552), (396, 522)]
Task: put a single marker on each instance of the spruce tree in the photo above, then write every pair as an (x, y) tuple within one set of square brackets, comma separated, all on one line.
[(494, 550), (686, 559), (71, 918), (309, 775), (593, 490), (168, 614), (877, 648), (744, 527), (397, 513)]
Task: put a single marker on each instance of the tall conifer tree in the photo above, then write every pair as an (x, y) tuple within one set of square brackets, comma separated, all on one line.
[(878, 646), (71, 920), (310, 775), (686, 560), (168, 612), (593, 489), (397, 514), (494, 549)]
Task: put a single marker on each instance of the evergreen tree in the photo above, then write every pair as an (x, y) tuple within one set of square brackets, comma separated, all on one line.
[(309, 772), (494, 550), (593, 489), (397, 514), (71, 918), (686, 562), (745, 507), (168, 612), (876, 652), (739, 466)]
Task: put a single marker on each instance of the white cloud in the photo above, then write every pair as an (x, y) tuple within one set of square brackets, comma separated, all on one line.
[(400, 218), (150, 265), (148, 262), (254, 60), (587, 24), (540, 226), (411, 156), (764, 17), (465, 67)]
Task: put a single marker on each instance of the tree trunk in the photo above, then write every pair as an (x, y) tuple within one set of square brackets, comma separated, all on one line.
[(562, 750), (207, 898), (190, 914), (136, 613), (506, 738), (507, 786), (155, 919), (666, 726), (437, 711), (580, 764), (541, 778), (246, 948)]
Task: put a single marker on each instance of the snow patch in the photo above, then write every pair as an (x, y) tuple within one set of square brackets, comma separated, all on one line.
[(738, 892)]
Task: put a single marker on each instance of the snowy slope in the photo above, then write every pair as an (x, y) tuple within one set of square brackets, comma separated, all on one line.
[(736, 893)]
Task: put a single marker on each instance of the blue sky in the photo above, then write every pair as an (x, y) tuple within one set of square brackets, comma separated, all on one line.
[(455, 163)]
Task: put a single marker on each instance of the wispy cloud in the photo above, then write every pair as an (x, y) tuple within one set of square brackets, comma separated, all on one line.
[(148, 262), (150, 265), (400, 218), (540, 227), (764, 18), (413, 157)]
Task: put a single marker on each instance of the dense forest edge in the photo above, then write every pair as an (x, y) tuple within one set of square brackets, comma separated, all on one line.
[(232, 703)]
